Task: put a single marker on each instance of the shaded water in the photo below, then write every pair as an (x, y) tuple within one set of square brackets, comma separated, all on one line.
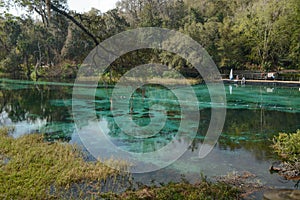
[(254, 115)]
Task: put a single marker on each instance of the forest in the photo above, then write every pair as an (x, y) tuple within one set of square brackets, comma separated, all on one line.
[(50, 40)]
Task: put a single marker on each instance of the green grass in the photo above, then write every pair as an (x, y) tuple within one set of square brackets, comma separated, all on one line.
[(204, 190), (30, 167)]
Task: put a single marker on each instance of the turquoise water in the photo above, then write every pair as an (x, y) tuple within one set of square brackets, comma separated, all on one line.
[(254, 115)]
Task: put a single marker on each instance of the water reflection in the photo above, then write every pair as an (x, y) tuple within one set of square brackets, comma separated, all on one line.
[(230, 89), (270, 90), (254, 116), (28, 109), (21, 127)]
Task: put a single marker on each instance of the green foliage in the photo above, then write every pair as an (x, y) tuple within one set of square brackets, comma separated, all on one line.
[(11, 64), (171, 74), (150, 17), (236, 33), (29, 167), (288, 146), (177, 191)]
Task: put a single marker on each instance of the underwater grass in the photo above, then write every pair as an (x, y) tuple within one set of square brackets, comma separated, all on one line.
[(30, 167)]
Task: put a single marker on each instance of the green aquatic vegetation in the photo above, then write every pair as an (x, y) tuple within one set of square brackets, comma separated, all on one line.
[(287, 146), (203, 190), (30, 167), (34, 169)]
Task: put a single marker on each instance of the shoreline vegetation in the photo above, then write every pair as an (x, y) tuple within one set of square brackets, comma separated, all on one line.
[(253, 35), (32, 168), (287, 146), (84, 81)]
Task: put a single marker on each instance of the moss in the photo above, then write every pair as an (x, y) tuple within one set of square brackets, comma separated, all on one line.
[(33, 167)]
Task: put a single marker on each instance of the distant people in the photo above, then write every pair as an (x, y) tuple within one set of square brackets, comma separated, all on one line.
[(231, 74), (271, 75), (243, 81), (237, 77)]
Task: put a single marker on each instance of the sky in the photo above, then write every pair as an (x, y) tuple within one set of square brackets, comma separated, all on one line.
[(86, 5), (81, 6)]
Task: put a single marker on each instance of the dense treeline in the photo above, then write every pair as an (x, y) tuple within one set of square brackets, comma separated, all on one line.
[(240, 34)]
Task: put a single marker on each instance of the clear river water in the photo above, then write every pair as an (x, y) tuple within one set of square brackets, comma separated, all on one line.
[(255, 114)]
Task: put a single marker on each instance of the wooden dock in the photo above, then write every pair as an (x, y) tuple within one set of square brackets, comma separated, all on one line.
[(264, 82)]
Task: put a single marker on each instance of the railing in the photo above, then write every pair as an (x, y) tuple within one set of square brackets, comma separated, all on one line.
[(265, 76)]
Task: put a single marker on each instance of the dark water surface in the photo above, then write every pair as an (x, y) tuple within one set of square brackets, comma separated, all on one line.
[(254, 115)]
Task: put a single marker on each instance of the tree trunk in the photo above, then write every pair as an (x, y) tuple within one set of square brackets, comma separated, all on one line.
[(38, 64), (48, 5), (88, 33), (68, 41), (27, 67)]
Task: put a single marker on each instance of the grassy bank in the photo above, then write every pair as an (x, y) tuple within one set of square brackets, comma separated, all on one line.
[(31, 168), (149, 80), (34, 169)]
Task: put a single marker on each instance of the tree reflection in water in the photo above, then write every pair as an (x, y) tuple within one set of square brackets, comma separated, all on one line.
[(254, 115)]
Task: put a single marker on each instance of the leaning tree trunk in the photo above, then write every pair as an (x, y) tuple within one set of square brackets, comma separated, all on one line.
[(48, 5), (68, 16), (68, 41)]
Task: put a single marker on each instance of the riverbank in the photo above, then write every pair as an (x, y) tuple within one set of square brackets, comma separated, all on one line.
[(32, 168)]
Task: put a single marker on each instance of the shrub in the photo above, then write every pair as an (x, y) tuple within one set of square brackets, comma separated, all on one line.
[(288, 146)]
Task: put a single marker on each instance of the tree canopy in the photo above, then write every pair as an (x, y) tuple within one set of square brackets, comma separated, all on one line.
[(240, 34)]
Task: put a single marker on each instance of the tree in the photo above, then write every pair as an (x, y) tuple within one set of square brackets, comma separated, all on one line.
[(263, 29), (10, 30), (149, 17), (130, 9), (58, 6)]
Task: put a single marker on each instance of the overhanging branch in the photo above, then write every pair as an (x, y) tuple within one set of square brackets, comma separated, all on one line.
[(75, 22)]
